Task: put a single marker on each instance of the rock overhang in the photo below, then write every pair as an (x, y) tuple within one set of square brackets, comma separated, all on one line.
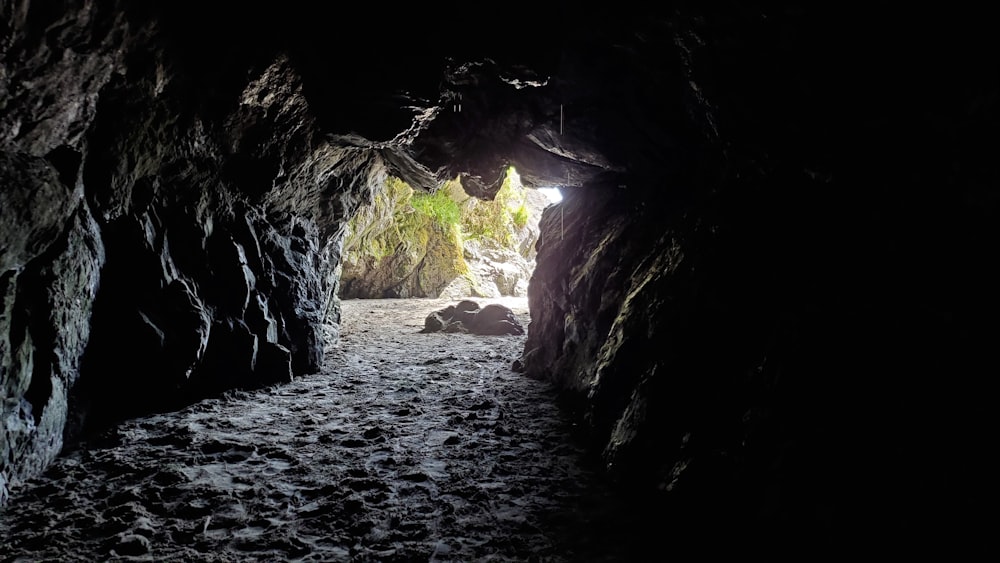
[(450, 90)]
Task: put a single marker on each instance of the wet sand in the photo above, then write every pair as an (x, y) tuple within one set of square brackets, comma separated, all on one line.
[(407, 447)]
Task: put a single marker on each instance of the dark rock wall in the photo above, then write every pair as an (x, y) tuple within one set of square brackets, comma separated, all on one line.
[(50, 251), (170, 214), (784, 334)]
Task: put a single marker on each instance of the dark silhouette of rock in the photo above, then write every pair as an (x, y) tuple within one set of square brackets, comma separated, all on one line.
[(467, 316), (496, 319)]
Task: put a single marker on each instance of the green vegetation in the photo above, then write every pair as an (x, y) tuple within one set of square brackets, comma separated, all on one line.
[(401, 228), (520, 216), (497, 221), (413, 242), (376, 228), (439, 207)]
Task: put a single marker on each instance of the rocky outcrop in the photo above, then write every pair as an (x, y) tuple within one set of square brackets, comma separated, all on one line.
[(468, 317), (51, 252), (204, 289), (168, 231), (421, 265), (45, 308), (499, 268), (494, 271)]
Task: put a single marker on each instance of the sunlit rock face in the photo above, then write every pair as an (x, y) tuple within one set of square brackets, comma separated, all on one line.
[(768, 293)]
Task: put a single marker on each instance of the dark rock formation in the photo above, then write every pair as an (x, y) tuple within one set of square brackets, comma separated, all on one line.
[(467, 316), (768, 293), (755, 334), (167, 219)]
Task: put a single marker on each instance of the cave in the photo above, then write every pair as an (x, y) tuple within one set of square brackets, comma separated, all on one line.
[(766, 299)]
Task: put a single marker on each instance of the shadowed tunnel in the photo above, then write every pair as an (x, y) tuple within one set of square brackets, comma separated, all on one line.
[(767, 299)]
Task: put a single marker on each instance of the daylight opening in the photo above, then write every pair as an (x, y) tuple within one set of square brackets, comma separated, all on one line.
[(446, 244), (553, 193)]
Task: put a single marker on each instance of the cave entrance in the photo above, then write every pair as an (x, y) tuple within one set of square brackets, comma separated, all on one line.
[(446, 244)]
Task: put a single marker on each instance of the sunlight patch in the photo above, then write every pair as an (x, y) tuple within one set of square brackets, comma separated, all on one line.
[(554, 195)]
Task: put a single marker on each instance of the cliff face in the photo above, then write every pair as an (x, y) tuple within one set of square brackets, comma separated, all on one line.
[(767, 292), (446, 244)]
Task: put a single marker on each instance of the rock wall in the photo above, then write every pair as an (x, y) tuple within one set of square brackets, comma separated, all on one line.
[(50, 251), (403, 244), (775, 341), (170, 228), (500, 262)]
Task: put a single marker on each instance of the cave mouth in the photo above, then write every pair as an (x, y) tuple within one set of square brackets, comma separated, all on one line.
[(445, 243)]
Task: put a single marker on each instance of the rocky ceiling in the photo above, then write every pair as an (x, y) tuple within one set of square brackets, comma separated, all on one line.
[(768, 291)]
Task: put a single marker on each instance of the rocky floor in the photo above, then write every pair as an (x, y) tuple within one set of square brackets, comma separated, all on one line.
[(408, 447)]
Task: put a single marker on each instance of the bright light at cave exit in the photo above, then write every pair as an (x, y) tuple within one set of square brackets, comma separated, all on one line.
[(554, 195)]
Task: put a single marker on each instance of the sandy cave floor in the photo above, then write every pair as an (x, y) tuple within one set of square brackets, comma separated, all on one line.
[(407, 447)]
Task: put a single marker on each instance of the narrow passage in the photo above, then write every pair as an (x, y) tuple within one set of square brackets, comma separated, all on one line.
[(408, 447)]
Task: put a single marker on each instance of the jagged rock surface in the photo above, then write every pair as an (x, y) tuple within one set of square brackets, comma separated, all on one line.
[(768, 292), (169, 230), (753, 332)]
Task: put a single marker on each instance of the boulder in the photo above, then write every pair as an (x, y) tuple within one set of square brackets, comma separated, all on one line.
[(467, 316)]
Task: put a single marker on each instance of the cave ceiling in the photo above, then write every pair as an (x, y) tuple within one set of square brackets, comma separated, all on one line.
[(450, 89)]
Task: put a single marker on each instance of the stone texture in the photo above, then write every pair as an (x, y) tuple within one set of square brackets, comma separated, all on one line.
[(44, 320), (35, 205), (743, 336), (57, 58), (168, 231), (768, 295), (420, 266), (419, 257)]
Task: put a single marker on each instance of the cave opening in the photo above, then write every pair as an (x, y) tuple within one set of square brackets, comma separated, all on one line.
[(444, 243), (554, 194), (766, 294)]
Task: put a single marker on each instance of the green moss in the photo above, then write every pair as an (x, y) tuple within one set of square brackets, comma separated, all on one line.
[(520, 216), (403, 235), (375, 230), (439, 207), (497, 221)]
